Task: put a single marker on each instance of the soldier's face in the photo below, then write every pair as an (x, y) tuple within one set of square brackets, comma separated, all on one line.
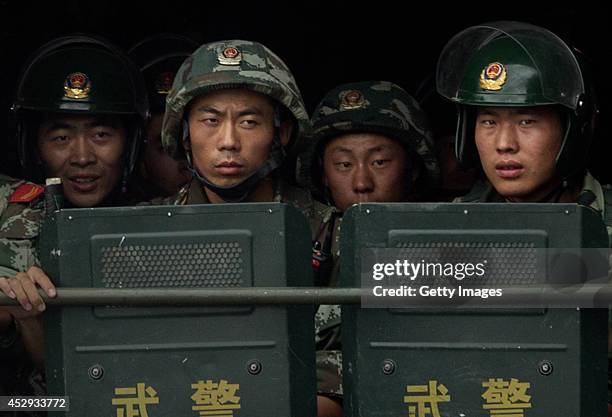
[(161, 169), (518, 147), (231, 134), (364, 167), (86, 152)]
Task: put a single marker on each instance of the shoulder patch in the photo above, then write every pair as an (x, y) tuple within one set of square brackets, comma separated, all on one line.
[(25, 193)]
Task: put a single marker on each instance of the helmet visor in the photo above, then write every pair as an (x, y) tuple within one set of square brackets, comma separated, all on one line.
[(544, 68)]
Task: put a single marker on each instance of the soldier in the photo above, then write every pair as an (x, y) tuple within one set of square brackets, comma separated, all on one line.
[(158, 58), (526, 111), (370, 143), (80, 107), (234, 112)]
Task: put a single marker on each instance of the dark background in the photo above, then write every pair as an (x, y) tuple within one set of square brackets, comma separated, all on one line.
[(324, 43)]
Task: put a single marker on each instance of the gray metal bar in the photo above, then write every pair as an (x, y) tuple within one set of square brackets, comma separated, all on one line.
[(197, 296)]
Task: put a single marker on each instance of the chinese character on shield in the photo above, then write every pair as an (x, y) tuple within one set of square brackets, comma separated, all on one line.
[(507, 399), (132, 402), (215, 399), (426, 399)]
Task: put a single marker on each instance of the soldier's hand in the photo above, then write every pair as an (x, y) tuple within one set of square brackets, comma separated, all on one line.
[(24, 288)]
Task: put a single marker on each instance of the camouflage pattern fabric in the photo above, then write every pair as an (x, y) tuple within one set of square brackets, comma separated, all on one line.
[(328, 338), (377, 107), (193, 193), (329, 350), (19, 227), (601, 200), (483, 192), (224, 65)]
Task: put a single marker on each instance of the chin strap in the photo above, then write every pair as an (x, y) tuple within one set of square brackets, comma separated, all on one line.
[(241, 191)]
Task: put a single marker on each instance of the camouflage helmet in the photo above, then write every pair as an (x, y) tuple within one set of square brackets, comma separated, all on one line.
[(81, 74), (224, 65), (372, 106), (513, 64)]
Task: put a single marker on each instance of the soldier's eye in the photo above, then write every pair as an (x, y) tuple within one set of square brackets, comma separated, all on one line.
[(380, 162), (342, 165), (101, 134), (487, 122), (211, 121), (248, 123), (59, 138), (527, 122)]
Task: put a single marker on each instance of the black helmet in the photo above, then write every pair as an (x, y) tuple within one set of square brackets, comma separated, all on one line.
[(81, 74), (159, 58)]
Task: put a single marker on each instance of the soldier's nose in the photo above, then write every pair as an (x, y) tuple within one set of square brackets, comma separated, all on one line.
[(506, 141), (82, 152), (228, 138), (362, 181)]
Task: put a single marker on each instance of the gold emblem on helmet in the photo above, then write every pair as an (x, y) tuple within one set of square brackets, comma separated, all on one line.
[(77, 86), (493, 77), (230, 56), (352, 99)]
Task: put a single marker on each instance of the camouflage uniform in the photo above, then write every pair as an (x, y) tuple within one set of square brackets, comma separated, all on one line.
[(20, 216), (19, 226), (192, 193), (378, 107), (251, 66), (592, 195)]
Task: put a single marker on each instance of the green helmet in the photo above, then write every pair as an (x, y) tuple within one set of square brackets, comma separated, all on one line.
[(515, 64), (372, 106), (225, 65), (80, 74)]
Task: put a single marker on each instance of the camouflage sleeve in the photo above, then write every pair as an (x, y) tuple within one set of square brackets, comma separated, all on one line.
[(329, 350), (19, 228)]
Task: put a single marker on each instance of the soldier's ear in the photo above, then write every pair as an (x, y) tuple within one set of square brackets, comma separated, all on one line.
[(286, 130)]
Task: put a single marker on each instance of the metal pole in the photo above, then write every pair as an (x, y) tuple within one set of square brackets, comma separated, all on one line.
[(197, 296)]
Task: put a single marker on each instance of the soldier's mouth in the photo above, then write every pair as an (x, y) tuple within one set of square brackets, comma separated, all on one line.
[(509, 169), (83, 184), (229, 168)]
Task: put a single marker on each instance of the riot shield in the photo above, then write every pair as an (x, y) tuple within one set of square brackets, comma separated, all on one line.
[(239, 360), (453, 361)]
